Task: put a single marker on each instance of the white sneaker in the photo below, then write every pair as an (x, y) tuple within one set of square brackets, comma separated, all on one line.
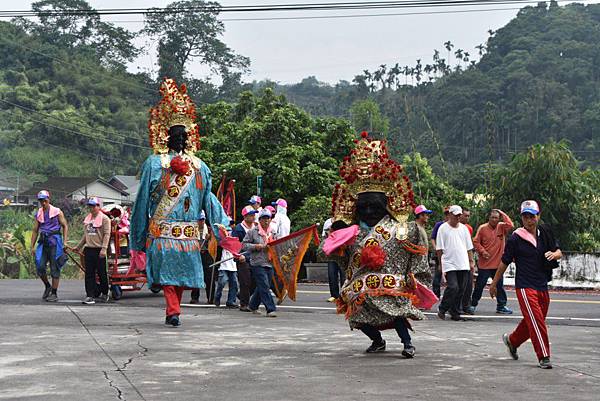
[(88, 301), (271, 314)]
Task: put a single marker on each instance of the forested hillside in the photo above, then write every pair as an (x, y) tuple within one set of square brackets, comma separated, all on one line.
[(65, 112), (538, 78)]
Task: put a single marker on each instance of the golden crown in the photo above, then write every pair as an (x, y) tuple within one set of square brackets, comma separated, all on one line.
[(369, 168), (175, 108)]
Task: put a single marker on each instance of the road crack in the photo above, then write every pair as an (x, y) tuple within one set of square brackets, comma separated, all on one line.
[(111, 384), (121, 371)]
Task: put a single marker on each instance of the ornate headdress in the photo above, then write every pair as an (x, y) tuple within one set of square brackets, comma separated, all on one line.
[(175, 108), (369, 168)]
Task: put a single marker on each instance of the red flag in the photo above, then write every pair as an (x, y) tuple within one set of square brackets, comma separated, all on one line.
[(286, 255)]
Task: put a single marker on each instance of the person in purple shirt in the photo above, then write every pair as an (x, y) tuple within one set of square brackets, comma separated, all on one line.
[(49, 250)]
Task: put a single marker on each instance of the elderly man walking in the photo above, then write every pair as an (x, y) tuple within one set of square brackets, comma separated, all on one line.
[(489, 244), (455, 251)]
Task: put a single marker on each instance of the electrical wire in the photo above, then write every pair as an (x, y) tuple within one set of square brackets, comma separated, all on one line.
[(86, 135), (120, 135), (264, 8)]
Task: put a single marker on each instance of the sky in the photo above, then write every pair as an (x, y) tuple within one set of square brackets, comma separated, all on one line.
[(330, 49)]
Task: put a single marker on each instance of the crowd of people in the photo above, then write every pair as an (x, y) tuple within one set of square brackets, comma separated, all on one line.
[(379, 272)]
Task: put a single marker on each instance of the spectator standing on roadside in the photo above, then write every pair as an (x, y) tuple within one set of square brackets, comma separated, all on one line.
[(96, 236), (455, 250), (535, 252), (489, 243)]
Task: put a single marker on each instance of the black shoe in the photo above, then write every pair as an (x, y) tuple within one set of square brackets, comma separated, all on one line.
[(47, 292), (441, 315), (245, 309), (457, 318), (409, 351), (545, 363), (217, 304), (232, 306), (194, 301), (376, 347), (173, 321), (511, 350)]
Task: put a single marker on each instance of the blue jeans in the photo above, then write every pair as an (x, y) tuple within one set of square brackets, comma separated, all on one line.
[(263, 276), (482, 278), (226, 276), (48, 257)]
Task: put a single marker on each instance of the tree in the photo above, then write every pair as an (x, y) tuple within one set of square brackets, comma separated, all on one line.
[(112, 44), (366, 116), (567, 196), (191, 32)]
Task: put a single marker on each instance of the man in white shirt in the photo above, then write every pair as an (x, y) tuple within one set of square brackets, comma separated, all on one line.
[(455, 251), (281, 219)]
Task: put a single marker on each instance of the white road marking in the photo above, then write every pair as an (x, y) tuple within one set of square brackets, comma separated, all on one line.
[(483, 317)]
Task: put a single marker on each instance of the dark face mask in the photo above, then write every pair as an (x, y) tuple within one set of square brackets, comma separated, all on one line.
[(371, 207), (177, 138)]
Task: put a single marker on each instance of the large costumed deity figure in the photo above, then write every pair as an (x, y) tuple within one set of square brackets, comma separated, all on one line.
[(175, 190), (381, 252)]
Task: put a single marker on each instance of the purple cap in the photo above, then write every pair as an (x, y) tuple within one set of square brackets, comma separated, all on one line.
[(264, 213), (43, 194), (255, 199), (94, 201)]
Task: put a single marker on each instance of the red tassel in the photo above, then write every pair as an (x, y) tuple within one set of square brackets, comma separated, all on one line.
[(198, 180), (373, 257)]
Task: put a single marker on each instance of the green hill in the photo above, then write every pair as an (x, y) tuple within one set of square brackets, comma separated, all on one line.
[(62, 112), (537, 79)]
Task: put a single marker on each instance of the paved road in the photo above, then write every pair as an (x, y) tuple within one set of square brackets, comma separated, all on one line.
[(567, 307), (122, 351)]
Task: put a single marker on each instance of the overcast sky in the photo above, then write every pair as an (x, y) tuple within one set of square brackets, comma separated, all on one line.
[(330, 49)]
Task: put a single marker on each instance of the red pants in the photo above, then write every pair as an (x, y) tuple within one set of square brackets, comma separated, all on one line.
[(534, 307), (173, 299)]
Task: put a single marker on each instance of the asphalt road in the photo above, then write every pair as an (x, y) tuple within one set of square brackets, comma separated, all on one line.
[(567, 307), (123, 351)]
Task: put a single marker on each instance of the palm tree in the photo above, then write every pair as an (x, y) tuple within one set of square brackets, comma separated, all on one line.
[(481, 49), (448, 45), (418, 71), (459, 56)]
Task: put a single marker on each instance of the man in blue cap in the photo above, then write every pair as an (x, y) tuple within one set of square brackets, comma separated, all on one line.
[(49, 250)]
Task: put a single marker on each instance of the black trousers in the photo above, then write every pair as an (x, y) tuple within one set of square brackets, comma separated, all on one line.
[(452, 300), (247, 284), (336, 278), (466, 299), (400, 326), (95, 265)]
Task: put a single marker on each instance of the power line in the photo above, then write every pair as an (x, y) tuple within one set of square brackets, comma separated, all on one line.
[(59, 60), (264, 8), (86, 135), (120, 135)]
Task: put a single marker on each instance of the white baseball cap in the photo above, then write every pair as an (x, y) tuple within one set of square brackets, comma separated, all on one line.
[(455, 210)]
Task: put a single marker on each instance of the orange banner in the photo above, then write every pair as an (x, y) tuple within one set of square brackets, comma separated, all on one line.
[(286, 255)]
